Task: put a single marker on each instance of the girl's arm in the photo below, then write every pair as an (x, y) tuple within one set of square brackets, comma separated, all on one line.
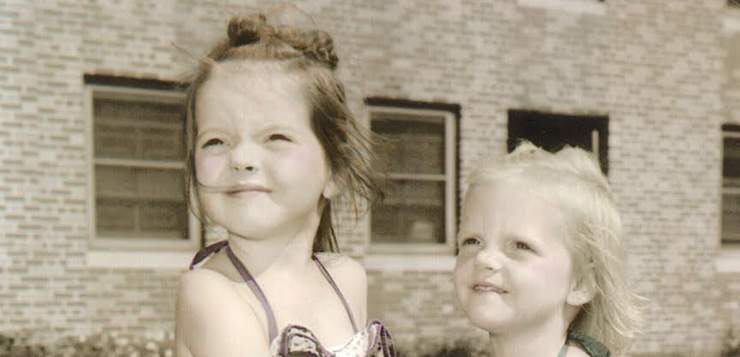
[(211, 320)]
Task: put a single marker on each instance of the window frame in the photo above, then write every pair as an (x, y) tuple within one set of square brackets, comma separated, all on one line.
[(451, 114), (592, 7), (130, 89)]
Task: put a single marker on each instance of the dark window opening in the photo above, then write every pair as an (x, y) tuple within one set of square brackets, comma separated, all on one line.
[(552, 132), (730, 184)]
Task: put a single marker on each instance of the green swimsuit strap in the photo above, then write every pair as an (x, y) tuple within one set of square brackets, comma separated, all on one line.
[(563, 350), (589, 344)]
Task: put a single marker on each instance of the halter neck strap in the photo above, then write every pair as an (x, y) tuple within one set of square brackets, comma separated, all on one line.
[(336, 289), (257, 291), (252, 284)]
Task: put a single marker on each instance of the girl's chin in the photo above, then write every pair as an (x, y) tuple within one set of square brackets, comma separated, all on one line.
[(257, 230), (252, 232), (489, 319), (491, 325)]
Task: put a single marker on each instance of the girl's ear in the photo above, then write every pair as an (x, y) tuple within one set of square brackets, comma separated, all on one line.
[(580, 293), (331, 189)]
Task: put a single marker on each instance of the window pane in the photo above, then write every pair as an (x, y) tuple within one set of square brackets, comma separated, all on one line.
[(413, 211), (115, 141), (142, 183), (117, 110), (414, 144), (138, 130), (114, 216), (161, 184), (115, 182), (140, 202), (164, 219), (131, 219), (162, 144), (731, 218), (731, 162)]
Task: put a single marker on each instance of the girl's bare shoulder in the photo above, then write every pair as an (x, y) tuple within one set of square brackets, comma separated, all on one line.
[(342, 267), (212, 320), (351, 278), (207, 292)]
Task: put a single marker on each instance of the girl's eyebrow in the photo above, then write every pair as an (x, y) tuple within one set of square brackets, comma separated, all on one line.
[(276, 127), (467, 234), (523, 237), (208, 130)]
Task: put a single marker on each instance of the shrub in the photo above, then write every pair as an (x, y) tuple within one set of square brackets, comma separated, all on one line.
[(450, 348), (731, 342), (98, 345)]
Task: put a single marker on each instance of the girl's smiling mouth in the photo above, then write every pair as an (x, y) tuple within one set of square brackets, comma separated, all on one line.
[(486, 287), (243, 189)]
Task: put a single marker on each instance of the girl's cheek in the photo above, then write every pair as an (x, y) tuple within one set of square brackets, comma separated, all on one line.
[(209, 168), (306, 159), (462, 271), (461, 263)]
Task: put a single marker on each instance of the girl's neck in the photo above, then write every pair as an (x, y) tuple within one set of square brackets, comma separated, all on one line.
[(543, 339), (286, 253)]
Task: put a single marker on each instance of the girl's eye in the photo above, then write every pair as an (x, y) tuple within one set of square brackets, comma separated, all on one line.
[(279, 137), (470, 241), (213, 142), (522, 246)]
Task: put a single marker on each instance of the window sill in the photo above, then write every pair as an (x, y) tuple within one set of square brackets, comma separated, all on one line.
[(411, 248), (141, 253), (139, 244), (139, 259), (405, 262), (728, 259), (592, 7), (731, 20)]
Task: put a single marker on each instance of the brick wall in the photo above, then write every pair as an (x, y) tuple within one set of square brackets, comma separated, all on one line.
[(657, 69)]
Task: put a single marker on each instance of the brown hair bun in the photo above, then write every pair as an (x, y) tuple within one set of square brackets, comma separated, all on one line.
[(246, 30)]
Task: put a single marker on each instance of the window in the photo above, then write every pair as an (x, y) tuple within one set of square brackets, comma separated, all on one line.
[(137, 165), (418, 155), (731, 184), (553, 131)]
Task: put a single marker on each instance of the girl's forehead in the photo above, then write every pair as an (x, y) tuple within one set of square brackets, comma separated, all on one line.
[(501, 191), (514, 206), (254, 78), (232, 95)]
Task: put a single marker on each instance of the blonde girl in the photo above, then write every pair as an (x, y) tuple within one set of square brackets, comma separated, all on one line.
[(540, 263)]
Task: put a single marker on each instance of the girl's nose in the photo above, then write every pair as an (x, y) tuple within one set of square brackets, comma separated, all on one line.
[(249, 168), (245, 158), (489, 259)]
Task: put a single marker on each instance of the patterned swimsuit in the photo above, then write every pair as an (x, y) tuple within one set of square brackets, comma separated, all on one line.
[(295, 340)]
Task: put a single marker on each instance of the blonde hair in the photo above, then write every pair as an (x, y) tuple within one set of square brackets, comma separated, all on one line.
[(572, 179)]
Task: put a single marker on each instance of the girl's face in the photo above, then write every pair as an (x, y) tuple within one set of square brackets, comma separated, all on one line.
[(513, 269), (259, 166)]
